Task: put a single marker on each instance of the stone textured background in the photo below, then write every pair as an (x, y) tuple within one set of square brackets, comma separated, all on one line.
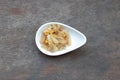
[(99, 59)]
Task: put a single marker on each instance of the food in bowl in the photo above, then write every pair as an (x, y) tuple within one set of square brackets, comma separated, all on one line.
[(55, 38)]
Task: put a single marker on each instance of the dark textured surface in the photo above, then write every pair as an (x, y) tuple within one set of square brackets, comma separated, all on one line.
[(99, 59)]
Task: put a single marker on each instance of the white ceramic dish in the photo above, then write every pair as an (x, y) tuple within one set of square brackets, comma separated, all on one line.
[(78, 39)]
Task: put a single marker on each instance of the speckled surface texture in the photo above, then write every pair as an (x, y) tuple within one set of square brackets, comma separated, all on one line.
[(99, 59)]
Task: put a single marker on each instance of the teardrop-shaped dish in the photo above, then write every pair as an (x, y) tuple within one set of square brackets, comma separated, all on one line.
[(78, 39)]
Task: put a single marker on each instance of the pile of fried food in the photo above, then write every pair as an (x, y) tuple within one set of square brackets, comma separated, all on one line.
[(55, 38)]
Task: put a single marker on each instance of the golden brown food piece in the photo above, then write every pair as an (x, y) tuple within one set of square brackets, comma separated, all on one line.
[(55, 38)]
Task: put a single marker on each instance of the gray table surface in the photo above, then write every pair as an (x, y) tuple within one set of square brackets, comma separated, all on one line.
[(99, 59)]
